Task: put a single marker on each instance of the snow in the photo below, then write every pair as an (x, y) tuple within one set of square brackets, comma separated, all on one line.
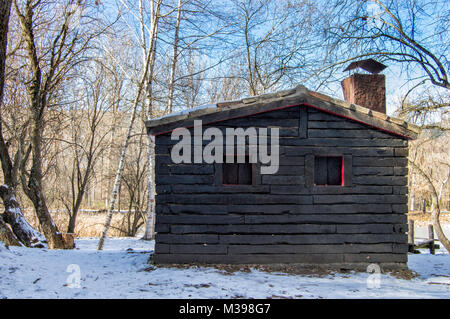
[(421, 232), (121, 271), (25, 226)]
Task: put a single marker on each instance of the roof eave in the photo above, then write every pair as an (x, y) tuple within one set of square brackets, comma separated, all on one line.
[(289, 98)]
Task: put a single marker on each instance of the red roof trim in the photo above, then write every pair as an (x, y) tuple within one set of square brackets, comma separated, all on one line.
[(303, 103), (238, 117), (358, 121)]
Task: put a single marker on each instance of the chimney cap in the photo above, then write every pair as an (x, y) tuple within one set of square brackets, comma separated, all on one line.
[(370, 65)]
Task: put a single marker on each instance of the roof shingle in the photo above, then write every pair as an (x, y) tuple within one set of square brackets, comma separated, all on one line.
[(299, 95)]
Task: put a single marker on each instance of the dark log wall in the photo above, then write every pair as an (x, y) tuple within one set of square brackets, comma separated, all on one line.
[(285, 218)]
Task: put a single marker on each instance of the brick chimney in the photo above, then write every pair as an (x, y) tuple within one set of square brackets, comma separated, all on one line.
[(368, 90)]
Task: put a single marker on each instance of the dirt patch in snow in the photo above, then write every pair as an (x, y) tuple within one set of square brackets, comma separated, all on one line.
[(289, 269), (406, 274)]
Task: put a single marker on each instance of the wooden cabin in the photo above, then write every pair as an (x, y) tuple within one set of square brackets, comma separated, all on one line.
[(339, 196)]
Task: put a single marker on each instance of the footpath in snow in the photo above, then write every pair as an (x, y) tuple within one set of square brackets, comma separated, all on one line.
[(121, 271)]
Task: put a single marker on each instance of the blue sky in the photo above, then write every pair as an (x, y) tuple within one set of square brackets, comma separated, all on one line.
[(397, 83)]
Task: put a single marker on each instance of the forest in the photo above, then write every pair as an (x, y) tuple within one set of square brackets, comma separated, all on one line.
[(79, 78)]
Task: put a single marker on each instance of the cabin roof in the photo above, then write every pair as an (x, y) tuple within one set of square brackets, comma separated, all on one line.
[(299, 95)]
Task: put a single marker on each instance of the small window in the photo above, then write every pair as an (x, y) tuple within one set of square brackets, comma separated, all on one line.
[(237, 173), (328, 170)]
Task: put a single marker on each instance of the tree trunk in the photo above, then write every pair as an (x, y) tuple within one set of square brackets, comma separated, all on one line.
[(14, 217), (38, 98), (6, 235), (437, 226), (175, 59), (412, 196), (72, 222), (150, 223), (117, 180), (79, 198), (119, 172), (5, 9), (436, 213), (50, 230), (34, 188), (123, 153), (148, 112)]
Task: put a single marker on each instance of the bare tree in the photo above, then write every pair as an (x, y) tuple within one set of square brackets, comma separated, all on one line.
[(430, 169), (135, 185), (86, 143), (143, 87), (436, 211), (428, 108), (412, 33), (48, 67), (22, 231), (192, 80)]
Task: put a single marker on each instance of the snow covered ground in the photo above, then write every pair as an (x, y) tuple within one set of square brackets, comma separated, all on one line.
[(121, 271)]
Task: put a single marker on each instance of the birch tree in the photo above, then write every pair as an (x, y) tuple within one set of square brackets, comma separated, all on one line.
[(123, 154), (148, 113), (144, 87), (134, 182), (174, 58)]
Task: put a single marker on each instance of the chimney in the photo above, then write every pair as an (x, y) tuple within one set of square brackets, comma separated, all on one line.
[(368, 90)]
